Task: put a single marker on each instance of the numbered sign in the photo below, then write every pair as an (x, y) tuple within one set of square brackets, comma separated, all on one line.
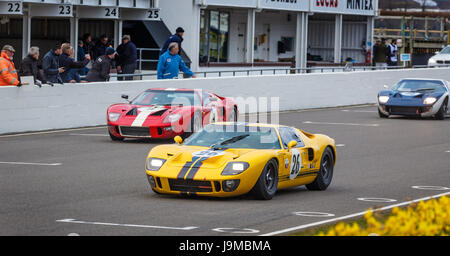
[(90, 12), (54, 10), (296, 163), (11, 8), (140, 14), (153, 14)]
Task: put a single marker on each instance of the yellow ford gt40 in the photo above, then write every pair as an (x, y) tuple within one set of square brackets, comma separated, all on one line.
[(231, 159)]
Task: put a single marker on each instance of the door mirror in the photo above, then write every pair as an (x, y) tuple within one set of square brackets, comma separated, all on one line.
[(178, 139), (292, 144), (386, 87), (124, 96), (436, 53), (212, 99)]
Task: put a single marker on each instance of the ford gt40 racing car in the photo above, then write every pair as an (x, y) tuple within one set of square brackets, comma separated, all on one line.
[(230, 159), (165, 113), (415, 97)]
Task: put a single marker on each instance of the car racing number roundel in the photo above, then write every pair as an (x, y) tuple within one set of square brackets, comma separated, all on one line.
[(296, 163)]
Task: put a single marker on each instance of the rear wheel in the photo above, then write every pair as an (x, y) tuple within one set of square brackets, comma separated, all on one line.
[(114, 138), (195, 126), (267, 184), (440, 115), (232, 117), (325, 175)]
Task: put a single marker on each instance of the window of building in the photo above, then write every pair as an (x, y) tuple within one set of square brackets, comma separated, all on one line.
[(214, 36), (288, 43)]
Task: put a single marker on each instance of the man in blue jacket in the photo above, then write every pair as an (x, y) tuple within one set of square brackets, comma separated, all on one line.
[(50, 65), (170, 64), (127, 57), (176, 38)]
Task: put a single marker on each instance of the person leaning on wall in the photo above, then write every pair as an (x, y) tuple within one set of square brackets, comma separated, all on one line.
[(29, 66)]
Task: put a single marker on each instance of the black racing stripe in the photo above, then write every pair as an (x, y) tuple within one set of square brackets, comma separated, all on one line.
[(195, 168), (186, 167)]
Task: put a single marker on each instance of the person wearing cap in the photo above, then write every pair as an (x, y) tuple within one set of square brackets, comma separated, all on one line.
[(170, 64), (102, 66), (8, 73), (176, 38), (126, 58), (50, 65)]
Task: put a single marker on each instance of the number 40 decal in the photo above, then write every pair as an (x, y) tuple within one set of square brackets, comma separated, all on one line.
[(296, 163)]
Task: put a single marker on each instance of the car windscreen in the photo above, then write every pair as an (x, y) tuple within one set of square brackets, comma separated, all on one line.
[(419, 86), (235, 136), (167, 98), (446, 50)]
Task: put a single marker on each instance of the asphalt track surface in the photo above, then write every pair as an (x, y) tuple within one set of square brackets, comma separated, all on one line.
[(79, 182)]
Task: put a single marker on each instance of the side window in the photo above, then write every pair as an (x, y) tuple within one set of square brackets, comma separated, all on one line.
[(197, 100), (288, 134)]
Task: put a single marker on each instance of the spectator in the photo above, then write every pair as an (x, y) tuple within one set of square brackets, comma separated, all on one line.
[(379, 53), (50, 65), (392, 54), (127, 57), (176, 38), (170, 64), (81, 56), (88, 45), (100, 47), (29, 66), (101, 68), (66, 60), (8, 73)]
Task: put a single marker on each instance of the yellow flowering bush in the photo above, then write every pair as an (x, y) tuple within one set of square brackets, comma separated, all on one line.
[(426, 218)]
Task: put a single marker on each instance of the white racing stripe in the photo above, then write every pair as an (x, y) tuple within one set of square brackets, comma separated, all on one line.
[(26, 163), (123, 225), (297, 228), (349, 124), (143, 114)]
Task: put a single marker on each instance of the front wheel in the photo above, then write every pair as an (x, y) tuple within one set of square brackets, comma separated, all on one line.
[(114, 138), (325, 174), (267, 184), (440, 115), (381, 114)]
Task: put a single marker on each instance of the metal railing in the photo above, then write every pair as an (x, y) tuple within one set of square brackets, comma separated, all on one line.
[(279, 71), (142, 60)]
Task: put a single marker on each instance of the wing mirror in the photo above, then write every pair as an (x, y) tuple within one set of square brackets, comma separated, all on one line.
[(292, 144), (386, 87), (212, 99), (178, 140)]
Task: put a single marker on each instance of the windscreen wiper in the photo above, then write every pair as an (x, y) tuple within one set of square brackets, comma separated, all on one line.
[(230, 141), (424, 89)]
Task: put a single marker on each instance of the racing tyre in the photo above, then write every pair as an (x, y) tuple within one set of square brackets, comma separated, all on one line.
[(440, 115), (233, 115), (267, 184), (325, 175), (114, 138), (196, 125), (381, 114)]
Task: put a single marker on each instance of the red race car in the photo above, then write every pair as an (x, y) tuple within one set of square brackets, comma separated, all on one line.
[(167, 112)]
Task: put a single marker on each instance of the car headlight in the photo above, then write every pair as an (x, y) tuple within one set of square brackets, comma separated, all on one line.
[(172, 118), (112, 116), (383, 99), (432, 61), (154, 164), (235, 168), (429, 100)]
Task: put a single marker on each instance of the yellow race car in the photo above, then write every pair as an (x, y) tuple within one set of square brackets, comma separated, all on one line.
[(230, 159)]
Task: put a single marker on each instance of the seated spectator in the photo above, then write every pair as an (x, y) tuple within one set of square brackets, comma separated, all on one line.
[(29, 66), (66, 60), (8, 73), (102, 66), (50, 65)]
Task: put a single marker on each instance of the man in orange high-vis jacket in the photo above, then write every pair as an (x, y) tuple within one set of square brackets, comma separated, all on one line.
[(8, 73)]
